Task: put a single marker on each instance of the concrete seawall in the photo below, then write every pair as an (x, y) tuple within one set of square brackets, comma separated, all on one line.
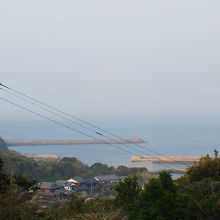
[(167, 159), (42, 157), (136, 140)]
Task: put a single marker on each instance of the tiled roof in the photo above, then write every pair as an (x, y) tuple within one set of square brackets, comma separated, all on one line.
[(60, 183), (107, 177), (90, 180), (46, 185), (77, 179), (51, 185)]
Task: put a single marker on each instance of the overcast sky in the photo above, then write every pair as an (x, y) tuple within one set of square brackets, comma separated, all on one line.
[(113, 58)]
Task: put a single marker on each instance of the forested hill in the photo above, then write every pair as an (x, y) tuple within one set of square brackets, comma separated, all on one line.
[(3, 144), (65, 168)]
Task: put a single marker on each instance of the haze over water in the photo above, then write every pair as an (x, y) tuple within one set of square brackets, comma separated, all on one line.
[(145, 68), (169, 136)]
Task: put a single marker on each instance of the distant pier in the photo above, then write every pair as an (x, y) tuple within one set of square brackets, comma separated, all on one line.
[(167, 159), (42, 157), (133, 140), (175, 164)]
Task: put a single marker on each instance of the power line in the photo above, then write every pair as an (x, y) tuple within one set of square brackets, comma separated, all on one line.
[(61, 116), (61, 124), (52, 112), (87, 123), (68, 127)]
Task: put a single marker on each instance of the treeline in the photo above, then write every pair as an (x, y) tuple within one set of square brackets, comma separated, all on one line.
[(3, 145), (194, 196), (16, 204), (65, 168), (14, 201)]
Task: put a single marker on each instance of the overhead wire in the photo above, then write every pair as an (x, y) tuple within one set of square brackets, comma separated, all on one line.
[(61, 124), (85, 122), (61, 116), (73, 129)]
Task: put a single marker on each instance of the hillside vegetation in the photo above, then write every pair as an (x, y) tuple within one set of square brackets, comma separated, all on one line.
[(3, 144), (65, 168), (195, 196)]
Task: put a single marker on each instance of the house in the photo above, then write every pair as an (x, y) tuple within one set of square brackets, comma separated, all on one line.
[(60, 183), (90, 181), (106, 183), (112, 178), (75, 181), (46, 187), (51, 187), (69, 186)]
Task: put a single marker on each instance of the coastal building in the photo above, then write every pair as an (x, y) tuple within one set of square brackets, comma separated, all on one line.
[(50, 187), (46, 187), (91, 186), (76, 180), (112, 178)]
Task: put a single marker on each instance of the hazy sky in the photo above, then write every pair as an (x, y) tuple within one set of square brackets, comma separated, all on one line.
[(113, 58)]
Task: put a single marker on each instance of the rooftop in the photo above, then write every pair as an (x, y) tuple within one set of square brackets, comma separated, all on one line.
[(107, 177)]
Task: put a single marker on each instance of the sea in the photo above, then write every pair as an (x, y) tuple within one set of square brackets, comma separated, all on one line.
[(189, 135)]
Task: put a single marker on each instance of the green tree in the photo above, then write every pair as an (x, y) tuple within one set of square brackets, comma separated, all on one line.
[(207, 167), (158, 201), (127, 193), (1, 164), (201, 199), (73, 206), (14, 204), (105, 205), (100, 169), (200, 188)]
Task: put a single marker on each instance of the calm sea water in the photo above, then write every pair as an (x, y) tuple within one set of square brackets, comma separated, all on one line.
[(170, 136)]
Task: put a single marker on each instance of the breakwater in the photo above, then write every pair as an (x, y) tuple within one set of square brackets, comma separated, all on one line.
[(167, 159), (133, 140), (42, 156)]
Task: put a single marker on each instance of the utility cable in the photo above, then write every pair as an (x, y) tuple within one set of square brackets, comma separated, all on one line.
[(68, 127), (91, 130), (92, 125), (63, 117)]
